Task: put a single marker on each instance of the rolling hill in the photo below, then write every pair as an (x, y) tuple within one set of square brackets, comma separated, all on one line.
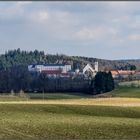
[(20, 57)]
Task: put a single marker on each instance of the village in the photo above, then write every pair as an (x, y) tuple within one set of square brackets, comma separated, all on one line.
[(65, 70)]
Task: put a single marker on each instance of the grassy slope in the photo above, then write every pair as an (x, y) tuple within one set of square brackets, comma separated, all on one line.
[(124, 90), (131, 92), (68, 121), (135, 83), (11, 98), (121, 91), (72, 121), (59, 96)]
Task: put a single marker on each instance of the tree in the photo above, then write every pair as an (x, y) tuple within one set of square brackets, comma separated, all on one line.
[(42, 82), (99, 83), (109, 82), (133, 67), (103, 82)]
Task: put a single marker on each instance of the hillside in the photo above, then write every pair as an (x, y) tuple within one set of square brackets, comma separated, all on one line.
[(18, 57)]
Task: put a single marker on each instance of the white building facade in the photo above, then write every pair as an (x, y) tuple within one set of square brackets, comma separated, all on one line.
[(88, 68), (50, 67)]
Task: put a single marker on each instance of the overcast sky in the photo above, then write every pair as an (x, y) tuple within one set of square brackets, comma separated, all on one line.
[(109, 30)]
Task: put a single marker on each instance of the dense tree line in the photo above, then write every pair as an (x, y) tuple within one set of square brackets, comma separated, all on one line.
[(19, 78), (127, 67)]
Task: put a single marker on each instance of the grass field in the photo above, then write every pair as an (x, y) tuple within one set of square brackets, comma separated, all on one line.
[(135, 83), (11, 98), (123, 91), (53, 96), (68, 121), (69, 116)]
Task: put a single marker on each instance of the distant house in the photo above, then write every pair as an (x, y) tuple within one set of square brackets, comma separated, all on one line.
[(115, 73), (122, 73)]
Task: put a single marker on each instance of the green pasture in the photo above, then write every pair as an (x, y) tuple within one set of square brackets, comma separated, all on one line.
[(11, 98), (68, 122), (121, 91), (86, 117), (124, 89), (135, 83), (48, 96), (131, 92)]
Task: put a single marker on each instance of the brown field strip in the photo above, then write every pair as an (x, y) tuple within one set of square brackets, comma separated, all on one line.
[(97, 101)]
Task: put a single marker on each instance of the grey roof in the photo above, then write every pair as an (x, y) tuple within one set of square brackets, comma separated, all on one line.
[(54, 65), (48, 65)]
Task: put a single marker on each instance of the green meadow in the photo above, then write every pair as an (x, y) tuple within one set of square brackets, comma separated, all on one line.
[(113, 115), (69, 121), (57, 96), (130, 92)]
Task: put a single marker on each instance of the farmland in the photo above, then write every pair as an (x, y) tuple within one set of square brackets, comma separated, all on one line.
[(68, 121), (65, 115)]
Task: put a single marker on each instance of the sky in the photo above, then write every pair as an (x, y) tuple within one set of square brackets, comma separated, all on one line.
[(107, 30)]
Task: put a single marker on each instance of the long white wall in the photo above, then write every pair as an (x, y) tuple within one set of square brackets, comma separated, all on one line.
[(40, 68)]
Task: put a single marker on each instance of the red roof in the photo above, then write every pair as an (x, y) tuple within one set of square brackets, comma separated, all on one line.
[(114, 72), (126, 72), (122, 72), (52, 71)]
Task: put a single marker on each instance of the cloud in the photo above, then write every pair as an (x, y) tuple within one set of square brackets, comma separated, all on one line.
[(23, 3), (85, 33), (40, 16), (96, 33), (134, 37), (13, 11), (10, 11), (66, 25), (43, 15)]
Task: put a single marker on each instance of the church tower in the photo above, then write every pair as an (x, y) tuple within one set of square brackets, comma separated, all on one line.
[(96, 66)]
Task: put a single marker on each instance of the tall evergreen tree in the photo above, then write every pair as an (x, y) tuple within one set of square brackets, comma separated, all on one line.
[(103, 82)]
